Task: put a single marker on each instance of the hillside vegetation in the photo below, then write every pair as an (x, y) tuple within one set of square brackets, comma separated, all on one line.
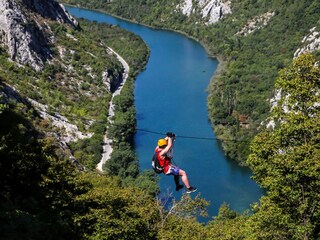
[(72, 84)]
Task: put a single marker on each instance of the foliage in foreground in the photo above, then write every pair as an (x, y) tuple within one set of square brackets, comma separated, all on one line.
[(285, 160)]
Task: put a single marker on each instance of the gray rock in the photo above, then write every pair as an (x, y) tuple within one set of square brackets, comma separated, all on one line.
[(211, 10), (24, 32)]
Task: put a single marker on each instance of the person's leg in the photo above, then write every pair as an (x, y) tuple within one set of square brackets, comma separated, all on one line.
[(174, 170), (184, 178), (177, 182)]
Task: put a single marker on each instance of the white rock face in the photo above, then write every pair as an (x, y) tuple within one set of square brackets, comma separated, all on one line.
[(311, 42), (14, 34), (214, 10), (24, 33), (187, 7), (70, 132)]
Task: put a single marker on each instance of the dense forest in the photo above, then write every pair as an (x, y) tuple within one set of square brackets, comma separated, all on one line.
[(249, 64), (44, 196)]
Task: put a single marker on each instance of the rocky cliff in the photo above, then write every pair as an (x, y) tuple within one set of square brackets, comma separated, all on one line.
[(310, 43), (24, 32), (211, 10)]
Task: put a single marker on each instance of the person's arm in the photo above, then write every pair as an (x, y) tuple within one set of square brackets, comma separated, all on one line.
[(168, 147)]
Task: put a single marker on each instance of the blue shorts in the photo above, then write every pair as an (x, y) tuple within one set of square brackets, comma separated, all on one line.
[(173, 170)]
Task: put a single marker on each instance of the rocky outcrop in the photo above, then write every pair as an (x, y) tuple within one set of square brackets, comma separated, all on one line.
[(111, 80), (186, 7), (256, 23), (24, 32), (211, 10), (311, 43), (70, 131)]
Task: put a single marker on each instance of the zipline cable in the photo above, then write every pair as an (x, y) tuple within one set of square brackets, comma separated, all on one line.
[(82, 119), (191, 137)]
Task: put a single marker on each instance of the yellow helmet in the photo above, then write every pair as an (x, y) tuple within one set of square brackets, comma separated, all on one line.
[(162, 142)]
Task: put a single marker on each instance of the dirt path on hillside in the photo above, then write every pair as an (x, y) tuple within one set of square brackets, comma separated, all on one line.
[(107, 143)]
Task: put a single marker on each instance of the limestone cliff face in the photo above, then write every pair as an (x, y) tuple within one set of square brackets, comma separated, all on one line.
[(24, 32), (310, 43), (211, 10)]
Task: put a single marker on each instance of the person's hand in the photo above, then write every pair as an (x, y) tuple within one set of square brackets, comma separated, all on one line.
[(171, 135)]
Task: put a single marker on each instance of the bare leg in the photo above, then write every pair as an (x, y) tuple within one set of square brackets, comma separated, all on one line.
[(184, 178)]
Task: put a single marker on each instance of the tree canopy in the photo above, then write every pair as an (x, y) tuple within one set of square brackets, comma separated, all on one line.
[(285, 160)]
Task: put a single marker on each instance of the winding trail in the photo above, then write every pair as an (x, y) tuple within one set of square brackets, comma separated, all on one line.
[(107, 143)]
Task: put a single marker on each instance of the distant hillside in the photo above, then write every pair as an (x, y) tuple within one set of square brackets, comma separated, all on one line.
[(253, 40), (50, 60)]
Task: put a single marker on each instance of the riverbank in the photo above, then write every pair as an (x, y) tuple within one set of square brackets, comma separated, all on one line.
[(222, 64), (107, 143), (218, 57)]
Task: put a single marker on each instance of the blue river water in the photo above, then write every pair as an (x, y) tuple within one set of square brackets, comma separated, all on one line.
[(170, 95)]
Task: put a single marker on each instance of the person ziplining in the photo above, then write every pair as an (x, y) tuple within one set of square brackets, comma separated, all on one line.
[(164, 154)]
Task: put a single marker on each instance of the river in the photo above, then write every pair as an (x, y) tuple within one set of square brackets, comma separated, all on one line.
[(170, 95)]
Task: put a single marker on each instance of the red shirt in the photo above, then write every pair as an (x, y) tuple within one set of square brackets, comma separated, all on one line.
[(164, 161)]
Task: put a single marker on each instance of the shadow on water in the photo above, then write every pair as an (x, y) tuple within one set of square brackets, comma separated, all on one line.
[(140, 116)]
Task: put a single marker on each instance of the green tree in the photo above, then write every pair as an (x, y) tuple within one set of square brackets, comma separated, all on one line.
[(147, 180), (285, 160), (179, 217), (108, 211), (227, 225), (123, 162), (36, 189)]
